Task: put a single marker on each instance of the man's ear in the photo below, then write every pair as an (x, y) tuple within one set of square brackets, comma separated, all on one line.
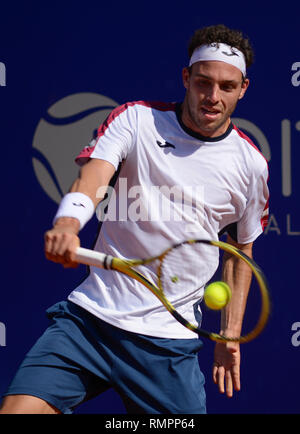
[(245, 86), (185, 77)]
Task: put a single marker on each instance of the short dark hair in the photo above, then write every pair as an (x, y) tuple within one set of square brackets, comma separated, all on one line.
[(221, 33)]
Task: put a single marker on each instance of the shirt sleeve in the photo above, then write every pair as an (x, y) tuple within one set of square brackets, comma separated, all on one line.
[(115, 137), (255, 217)]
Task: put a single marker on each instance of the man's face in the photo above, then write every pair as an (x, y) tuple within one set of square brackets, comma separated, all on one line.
[(213, 89)]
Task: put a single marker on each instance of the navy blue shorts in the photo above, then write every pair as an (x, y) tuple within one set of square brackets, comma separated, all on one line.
[(79, 356)]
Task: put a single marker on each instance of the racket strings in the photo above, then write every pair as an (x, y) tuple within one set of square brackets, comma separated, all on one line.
[(187, 268)]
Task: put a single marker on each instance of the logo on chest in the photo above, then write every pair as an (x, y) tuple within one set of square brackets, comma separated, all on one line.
[(165, 145)]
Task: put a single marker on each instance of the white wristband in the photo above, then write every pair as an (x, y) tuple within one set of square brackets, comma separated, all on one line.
[(76, 205)]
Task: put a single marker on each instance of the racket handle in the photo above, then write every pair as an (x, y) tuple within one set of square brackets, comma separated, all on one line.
[(90, 257)]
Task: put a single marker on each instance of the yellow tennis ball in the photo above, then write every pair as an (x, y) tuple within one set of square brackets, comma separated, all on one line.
[(217, 295)]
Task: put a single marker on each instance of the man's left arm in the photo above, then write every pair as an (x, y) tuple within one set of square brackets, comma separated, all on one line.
[(238, 275)]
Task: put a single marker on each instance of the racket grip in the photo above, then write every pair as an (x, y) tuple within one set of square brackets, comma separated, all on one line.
[(90, 257)]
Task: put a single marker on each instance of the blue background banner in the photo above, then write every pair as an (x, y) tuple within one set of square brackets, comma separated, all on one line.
[(63, 67)]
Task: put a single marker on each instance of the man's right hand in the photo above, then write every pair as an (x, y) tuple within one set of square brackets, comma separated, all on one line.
[(61, 242)]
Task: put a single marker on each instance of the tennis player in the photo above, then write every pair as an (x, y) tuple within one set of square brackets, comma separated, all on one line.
[(112, 331)]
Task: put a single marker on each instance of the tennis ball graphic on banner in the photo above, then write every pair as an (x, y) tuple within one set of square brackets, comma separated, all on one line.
[(61, 134)]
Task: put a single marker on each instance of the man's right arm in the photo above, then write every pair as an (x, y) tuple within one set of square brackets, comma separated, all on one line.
[(62, 240)]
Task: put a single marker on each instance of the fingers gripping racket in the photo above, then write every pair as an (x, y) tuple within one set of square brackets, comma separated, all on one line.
[(184, 267)]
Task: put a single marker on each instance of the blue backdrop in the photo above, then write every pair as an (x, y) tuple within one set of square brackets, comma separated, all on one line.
[(63, 67)]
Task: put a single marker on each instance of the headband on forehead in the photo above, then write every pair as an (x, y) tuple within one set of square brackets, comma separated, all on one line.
[(222, 53)]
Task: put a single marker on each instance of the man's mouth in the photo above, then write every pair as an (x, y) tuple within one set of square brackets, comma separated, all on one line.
[(210, 113)]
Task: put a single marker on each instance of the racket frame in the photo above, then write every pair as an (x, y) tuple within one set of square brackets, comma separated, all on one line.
[(126, 266)]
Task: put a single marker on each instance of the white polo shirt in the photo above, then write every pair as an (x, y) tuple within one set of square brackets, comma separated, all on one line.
[(173, 184)]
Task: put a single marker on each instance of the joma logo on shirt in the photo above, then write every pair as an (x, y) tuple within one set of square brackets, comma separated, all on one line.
[(165, 145)]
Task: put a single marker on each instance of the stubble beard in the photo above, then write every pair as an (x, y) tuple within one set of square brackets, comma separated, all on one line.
[(207, 128)]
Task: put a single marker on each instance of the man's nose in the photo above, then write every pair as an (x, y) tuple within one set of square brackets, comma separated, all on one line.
[(213, 94)]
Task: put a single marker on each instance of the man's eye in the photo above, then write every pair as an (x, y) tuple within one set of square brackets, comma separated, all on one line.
[(203, 82), (227, 87)]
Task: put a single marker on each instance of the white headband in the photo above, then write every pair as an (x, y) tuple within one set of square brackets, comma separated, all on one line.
[(222, 53)]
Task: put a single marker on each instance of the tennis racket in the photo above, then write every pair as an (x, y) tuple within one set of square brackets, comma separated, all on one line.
[(182, 268)]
